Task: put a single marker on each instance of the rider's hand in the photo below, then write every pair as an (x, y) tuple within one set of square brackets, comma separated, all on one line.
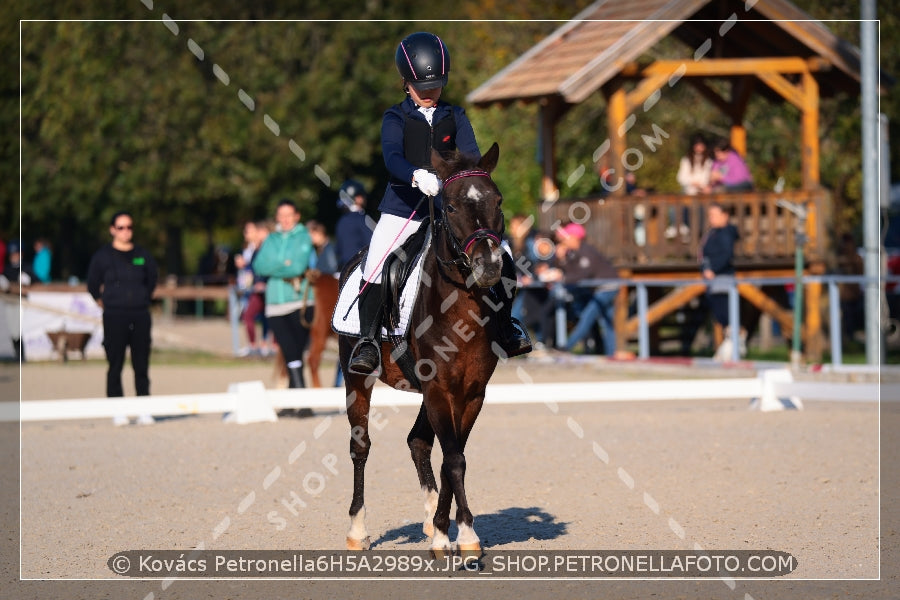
[(427, 182)]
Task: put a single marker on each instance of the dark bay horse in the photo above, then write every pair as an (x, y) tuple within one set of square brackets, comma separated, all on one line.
[(454, 328)]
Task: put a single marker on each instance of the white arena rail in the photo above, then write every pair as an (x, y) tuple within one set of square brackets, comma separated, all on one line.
[(247, 402)]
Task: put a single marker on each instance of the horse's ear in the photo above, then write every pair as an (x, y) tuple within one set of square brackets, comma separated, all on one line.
[(440, 165), (489, 161)]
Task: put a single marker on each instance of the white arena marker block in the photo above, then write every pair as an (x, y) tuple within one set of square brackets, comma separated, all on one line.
[(769, 399), (251, 405)]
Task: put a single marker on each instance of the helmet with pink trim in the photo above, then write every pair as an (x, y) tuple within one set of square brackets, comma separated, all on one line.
[(423, 61)]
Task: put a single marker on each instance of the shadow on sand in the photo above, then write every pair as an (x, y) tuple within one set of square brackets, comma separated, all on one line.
[(507, 526)]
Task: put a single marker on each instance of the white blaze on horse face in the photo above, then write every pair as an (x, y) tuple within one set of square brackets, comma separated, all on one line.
[(473, 193)]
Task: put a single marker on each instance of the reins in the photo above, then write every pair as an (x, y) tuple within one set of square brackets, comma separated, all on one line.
[(460, 249)]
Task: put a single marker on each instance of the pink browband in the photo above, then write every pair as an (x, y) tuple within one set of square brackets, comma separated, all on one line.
[(470, 173), (480, 235)]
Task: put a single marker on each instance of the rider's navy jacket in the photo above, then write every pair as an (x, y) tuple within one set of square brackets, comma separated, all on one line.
[(400, 198)]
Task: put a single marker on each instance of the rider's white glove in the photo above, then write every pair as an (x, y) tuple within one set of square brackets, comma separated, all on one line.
[(427, 182)]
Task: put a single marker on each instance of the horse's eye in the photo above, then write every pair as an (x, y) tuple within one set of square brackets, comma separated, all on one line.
[(451, 208)]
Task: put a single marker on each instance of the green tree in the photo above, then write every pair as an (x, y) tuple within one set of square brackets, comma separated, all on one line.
[(134, 115)]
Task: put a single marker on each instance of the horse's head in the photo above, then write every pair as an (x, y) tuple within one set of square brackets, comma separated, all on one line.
[(471, 215)]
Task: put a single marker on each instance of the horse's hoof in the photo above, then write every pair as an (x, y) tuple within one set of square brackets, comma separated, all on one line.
[(469, 551), (428, 529), (362, 544)]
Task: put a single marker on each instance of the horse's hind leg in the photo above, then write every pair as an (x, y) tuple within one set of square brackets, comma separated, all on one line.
[(358, 414), (420, 441)]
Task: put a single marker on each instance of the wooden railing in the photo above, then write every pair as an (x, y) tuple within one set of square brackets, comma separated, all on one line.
[(664, 231), (168, 291)]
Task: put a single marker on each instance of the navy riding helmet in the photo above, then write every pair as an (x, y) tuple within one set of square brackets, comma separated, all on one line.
[(423, 61), (348, 192)]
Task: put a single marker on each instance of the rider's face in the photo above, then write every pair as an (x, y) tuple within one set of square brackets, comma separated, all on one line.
[(425, 98)]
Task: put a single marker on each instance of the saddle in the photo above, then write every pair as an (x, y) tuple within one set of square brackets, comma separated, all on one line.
[(401, 279), (396, 271)]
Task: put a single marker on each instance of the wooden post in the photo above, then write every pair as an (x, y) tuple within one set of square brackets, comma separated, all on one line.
[(810, 131), (169, 301), (620, 316), (813, 296), (550, 111), (616, 114), (739, 138)]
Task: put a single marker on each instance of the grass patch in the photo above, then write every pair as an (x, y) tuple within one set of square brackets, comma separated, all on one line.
[(195, 358)]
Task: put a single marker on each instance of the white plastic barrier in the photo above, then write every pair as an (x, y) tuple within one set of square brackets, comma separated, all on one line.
[(250, 401)]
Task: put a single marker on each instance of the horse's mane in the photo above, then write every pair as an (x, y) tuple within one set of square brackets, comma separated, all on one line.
[(459, 161)]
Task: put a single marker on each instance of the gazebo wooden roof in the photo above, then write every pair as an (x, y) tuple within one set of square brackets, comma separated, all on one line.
[(765, 47), (769, 41)]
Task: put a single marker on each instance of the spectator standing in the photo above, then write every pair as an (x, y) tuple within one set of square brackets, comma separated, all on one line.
[(13, 270), (283, 259), (43, 256), (121, 278), (695, 167), (326, 261), (12, 273), (578, 261), (252, 289), (717, 266), (353, 231), (694, 172), (729, 172), (326, 290)]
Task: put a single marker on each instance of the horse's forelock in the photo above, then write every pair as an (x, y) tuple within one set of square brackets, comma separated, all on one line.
[(459, 161)]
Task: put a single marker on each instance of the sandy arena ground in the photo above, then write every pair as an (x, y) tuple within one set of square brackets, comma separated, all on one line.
[(672, 475)]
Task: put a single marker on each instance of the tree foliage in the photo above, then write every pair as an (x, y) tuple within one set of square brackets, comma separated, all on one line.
[(206, 113)]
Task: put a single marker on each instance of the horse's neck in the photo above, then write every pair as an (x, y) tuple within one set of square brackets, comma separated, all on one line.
[(448, 288)]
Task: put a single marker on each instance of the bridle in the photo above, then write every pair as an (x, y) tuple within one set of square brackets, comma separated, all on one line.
[(460, 250)]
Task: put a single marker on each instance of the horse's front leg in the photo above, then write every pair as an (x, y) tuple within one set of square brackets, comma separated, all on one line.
[(420, 441), (453, 439), (358, 398)]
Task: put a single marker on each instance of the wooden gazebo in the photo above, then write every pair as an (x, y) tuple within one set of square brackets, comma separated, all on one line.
[(769, 47)]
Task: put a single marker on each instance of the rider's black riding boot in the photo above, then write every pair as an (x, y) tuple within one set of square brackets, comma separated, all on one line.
[(296, 380), (366, 356), (295, 377), (514, 337)]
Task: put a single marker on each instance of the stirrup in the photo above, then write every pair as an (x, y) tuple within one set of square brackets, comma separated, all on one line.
[(356, 354), (519, 342)]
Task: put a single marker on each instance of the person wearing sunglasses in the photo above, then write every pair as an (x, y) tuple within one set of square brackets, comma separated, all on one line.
[(121, 278)]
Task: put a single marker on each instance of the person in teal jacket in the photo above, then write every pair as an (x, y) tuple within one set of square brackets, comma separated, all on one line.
[(42, 257), (284, 258)]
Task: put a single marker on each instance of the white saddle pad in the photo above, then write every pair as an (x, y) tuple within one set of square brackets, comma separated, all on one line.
[(345, 319)]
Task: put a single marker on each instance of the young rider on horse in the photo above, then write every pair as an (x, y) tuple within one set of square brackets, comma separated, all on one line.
[(409, 131)]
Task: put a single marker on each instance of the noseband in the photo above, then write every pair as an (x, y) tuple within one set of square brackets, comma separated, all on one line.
[(461, 249)]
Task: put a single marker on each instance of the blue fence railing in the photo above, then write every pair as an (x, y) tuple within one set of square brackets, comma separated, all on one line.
[(642, 305)]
